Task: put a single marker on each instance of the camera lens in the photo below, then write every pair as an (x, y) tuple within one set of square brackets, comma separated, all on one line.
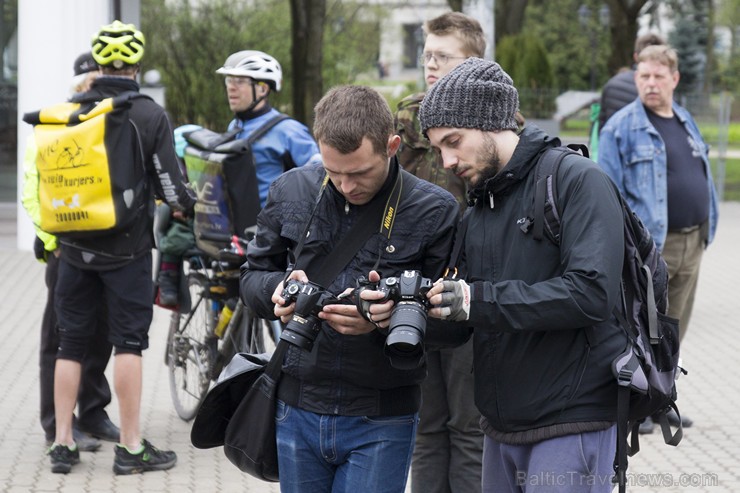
[(305, 325), (301, 331), (407, 326)]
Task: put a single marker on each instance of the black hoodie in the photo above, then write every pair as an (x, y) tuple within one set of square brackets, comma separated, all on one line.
[(111, 251)]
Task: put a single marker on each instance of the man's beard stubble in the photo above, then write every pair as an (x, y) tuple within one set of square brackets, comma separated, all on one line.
[(488, 154)]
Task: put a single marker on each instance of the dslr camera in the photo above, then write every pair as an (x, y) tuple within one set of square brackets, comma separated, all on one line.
[(310, 299), (409, 316)]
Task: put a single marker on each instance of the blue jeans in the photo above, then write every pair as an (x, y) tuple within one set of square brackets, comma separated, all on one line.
[(327, 453)]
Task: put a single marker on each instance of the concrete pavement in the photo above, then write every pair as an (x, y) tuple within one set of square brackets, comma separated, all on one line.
[(705, 461)]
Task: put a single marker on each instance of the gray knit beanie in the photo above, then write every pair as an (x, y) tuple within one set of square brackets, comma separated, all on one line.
[(475, 94)]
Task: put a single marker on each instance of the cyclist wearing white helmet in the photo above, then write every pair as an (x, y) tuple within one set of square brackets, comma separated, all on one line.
[(250, 77)]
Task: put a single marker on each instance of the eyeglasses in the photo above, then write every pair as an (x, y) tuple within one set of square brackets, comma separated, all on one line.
[(440, 58), (238, 81)]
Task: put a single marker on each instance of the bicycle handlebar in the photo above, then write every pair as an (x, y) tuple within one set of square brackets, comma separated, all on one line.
[(236, 252)]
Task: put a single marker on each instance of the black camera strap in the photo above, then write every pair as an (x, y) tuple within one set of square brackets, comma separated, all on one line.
[(293, 256), (360, 232), (451, 271), (385, 207)]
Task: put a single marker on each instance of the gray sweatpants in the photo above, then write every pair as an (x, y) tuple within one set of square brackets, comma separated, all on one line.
[(571, 464)]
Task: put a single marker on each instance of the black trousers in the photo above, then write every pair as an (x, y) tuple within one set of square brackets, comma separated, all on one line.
[(95, 393)]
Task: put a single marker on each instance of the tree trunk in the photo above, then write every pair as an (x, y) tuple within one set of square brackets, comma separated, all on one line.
[(307, 37), (509, 17), (623, 28)]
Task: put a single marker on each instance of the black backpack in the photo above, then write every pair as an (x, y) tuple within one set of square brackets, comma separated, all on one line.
[(223, 174), (647, 370)]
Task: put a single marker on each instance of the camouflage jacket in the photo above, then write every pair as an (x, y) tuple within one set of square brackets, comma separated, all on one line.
[(416, 155)]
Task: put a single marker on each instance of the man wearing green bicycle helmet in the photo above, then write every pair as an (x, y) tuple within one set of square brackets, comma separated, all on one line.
[(115, 268)]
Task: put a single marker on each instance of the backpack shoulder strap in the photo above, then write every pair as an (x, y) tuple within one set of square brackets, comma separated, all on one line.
[(581, 149), (224, 142), (260, 132), (546, 217), (546, 214)]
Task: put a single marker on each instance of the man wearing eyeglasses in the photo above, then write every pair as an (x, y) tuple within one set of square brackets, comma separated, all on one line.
[(449, 441), (250, 77)]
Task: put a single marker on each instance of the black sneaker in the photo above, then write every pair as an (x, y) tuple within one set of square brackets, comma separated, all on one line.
[(85, 443), (63, 458), (169, 283), (149, 459)]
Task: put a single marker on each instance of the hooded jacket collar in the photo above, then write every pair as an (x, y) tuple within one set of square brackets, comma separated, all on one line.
[(105, 87), (532, 142), (252, 114)]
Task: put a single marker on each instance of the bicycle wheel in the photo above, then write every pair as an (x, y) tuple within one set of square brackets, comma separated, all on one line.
[(261, 334), (191, 350)]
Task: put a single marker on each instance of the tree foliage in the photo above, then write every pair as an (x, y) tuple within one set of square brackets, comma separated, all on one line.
[(728, 15), (187, 41), (690, 38), (573, 44), (524, 58)]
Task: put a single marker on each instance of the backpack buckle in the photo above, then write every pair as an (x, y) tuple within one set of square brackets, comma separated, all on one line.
[(624, 377)]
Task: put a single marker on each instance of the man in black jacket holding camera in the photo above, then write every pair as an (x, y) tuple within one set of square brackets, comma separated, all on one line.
[(544, 337), (347, 412)]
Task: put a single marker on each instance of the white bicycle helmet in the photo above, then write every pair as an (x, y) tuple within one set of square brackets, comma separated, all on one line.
[(255, 64)]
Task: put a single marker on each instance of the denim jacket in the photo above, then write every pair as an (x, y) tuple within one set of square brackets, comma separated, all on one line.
[(633, 154)]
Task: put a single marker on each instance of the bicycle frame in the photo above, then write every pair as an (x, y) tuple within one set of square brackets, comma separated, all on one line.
[(195, 354)]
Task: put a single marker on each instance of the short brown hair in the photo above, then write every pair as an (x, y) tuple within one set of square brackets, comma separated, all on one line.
[(347, 114), (464, 27), (649, 39), (665, 55), (126, 70)]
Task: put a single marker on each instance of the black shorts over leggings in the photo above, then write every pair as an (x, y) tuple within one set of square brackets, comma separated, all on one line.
[(127, 292)]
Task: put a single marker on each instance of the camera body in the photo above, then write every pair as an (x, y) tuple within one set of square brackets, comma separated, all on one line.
[(409, 316), (310, 299)]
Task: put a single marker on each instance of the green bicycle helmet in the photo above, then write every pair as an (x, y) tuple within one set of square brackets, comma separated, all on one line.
[(118, 44)]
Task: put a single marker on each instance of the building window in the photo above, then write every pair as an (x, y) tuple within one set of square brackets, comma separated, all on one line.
[(413, 44)]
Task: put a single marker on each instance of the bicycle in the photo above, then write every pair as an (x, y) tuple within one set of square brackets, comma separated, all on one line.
[(198, 347)]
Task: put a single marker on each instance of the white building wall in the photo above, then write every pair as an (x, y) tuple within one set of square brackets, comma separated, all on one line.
[(51, 34)]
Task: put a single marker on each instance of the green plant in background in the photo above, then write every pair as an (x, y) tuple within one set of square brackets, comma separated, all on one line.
[(187, 43), (524, 58)]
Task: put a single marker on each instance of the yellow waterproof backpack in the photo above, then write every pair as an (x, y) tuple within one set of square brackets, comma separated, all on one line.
[(90, 166)]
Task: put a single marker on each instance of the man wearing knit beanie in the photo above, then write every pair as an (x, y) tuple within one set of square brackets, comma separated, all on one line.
[(541, 312)]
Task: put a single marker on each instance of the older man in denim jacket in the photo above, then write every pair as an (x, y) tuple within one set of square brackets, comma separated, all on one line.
[(653, 151)]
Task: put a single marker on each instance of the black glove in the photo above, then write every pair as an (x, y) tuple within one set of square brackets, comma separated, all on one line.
[(455, 304), (38, 249)]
